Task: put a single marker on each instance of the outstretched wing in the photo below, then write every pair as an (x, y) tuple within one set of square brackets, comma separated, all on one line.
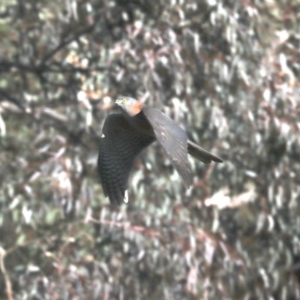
[(120, 144), (173, 139)]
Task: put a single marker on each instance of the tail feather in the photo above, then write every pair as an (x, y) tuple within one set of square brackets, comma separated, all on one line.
[(201, 154)]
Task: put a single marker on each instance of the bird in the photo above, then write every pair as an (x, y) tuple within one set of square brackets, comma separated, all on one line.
[(126, 134)]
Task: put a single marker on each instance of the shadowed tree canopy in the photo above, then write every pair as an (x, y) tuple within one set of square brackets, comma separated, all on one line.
[(227, 72)]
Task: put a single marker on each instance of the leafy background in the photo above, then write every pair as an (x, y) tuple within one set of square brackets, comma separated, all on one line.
[(227, 71)]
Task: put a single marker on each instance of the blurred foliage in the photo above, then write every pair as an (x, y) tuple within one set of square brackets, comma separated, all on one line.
[(228, 71)]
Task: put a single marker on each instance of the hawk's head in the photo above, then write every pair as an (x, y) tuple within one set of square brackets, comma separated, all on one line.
[(130, 105)]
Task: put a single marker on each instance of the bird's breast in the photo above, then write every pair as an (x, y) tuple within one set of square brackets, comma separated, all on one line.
[(141, 124)]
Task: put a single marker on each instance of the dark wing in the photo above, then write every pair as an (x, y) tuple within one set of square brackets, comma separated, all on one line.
[(120, 144), (173, 139), (202, 154)]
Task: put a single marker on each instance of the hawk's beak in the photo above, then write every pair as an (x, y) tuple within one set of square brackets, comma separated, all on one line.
[(120, 100)]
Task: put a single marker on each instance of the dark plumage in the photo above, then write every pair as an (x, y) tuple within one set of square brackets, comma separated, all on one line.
[(126, 135)]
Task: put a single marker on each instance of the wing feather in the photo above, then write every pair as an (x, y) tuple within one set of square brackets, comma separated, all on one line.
[(120, 144), (173, 139)]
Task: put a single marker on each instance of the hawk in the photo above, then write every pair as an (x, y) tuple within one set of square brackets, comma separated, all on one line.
[(125, 135)]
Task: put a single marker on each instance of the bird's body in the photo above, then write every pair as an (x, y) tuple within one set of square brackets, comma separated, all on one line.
[(126, 135)]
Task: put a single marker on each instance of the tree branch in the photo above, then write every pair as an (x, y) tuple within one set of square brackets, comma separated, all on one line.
[(8, 286), (66, 42)]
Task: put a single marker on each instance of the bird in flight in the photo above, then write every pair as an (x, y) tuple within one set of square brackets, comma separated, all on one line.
[(125, 135)]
